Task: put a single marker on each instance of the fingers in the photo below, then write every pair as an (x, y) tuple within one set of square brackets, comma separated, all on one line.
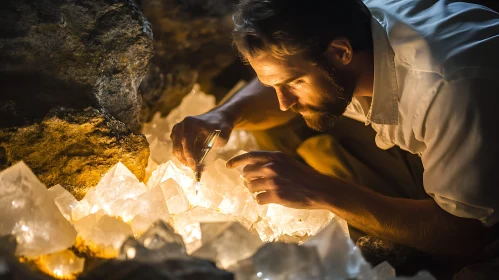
[(254, 171), (176, 137), (268, 184), (253, 157), (266, 197)]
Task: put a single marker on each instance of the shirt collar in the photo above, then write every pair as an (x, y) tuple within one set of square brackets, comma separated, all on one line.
[(384, 104)]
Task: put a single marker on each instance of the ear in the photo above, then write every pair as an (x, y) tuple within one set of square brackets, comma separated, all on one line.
[(339, 51)]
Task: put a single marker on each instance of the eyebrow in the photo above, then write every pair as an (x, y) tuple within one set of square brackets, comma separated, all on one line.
[(284, 82)]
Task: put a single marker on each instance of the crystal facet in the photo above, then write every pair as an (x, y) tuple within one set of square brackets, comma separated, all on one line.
[(281, 261), (340, 258), (30, 214), (219, 239), (107, 233), (64, 264), (64, 200)]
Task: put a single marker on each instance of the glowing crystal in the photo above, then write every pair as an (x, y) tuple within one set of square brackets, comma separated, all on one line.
[(117, 185), (340, 258), (157, 244), (64, 264), (64, 200), (224, 189), (187, 224), (170, 170), (218, 240), (106, 232), (297, 222), (176, 200), (383, 271), (280, 261), (30, 214), (149, 208)]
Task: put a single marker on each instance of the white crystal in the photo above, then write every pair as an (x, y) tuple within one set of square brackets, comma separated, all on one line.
[(176, 200), (383, 271), (118, 184), (219, 239), (297, 222), (158, 130), (30, 214), (224, 189), (149, 208), (64, 264), (203, 103), (187, 224), (106, 232), (64, 200), (340, 258), (181, 174), (280, 261), (238, 140)]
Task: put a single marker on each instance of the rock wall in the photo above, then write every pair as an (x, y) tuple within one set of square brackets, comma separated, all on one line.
[(192, 44), (73, 54), (69, 78), (74, 148)]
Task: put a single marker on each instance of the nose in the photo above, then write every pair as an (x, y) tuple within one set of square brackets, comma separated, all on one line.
[(286, 98)]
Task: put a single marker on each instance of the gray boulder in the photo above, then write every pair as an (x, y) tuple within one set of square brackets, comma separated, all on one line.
[(73, 54)]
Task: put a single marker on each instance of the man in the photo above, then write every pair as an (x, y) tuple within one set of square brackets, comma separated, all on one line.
[(424, 74)]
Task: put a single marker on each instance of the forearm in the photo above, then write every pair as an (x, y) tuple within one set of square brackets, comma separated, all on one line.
[(255, 107), (420, 224)]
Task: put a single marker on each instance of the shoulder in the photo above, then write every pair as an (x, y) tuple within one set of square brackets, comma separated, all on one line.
[(439, 36)]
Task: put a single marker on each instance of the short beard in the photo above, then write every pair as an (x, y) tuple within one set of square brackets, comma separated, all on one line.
[(334, 106)]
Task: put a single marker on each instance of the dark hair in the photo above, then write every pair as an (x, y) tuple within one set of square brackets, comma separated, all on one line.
[(290, 27)]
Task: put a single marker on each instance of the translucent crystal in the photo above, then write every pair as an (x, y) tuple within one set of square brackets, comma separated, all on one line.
[(281, 261), (158, 130), (181, 174), (106, 232), (149, 208), (266, 232), (297, 222), (203, 103), (64, 264), (117, 185), (160, 236), (176, 200), (81, 209), (218, 240), (340, 258), (238, 140), (157, 244), (187, 224), (224, 189), (30, 214), (64, 200), (383, 271)]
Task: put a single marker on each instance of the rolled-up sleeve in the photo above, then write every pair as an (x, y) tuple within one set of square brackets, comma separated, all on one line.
[(461, 159)]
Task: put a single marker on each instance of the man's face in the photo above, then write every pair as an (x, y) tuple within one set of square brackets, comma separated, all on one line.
[(315, 90)]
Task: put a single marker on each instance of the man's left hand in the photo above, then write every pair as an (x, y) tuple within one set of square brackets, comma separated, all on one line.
[(280, 179)]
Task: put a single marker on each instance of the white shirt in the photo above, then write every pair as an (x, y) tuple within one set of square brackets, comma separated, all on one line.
[(436, 94)]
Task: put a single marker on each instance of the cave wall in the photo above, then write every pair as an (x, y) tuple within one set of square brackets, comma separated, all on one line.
[(69, 78)]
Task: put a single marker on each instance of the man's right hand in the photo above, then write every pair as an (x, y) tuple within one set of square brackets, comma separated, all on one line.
[(189, 135)]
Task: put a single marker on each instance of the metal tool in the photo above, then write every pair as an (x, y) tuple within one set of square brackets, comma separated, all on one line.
[(208, 144)]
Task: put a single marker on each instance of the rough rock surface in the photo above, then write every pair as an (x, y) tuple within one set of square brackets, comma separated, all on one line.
[(74, 148), (73, 54), (192, 44)]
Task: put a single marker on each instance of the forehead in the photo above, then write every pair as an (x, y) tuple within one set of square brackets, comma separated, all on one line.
[(271, 70)]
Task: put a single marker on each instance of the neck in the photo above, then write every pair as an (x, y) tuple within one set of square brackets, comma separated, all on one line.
[(363, 66)]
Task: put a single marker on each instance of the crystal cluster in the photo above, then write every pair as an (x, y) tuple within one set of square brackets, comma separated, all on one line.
[(30, 214), (195, 103), (173, 218)]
